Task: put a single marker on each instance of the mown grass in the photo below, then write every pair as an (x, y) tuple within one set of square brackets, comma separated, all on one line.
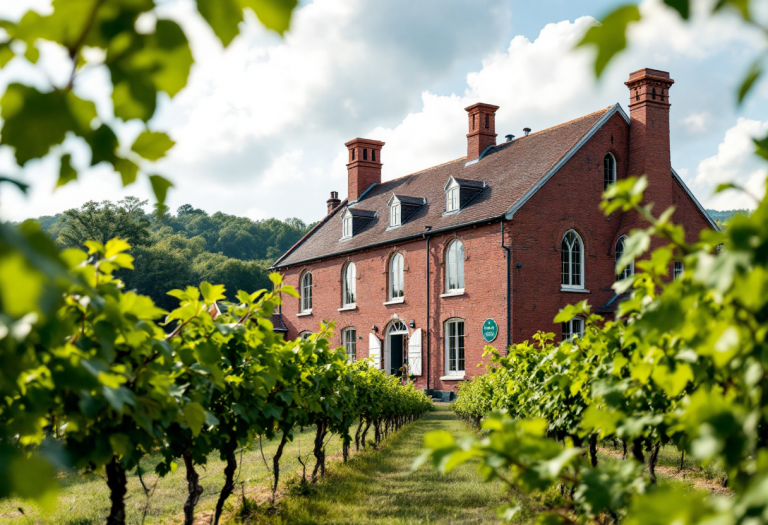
[(84, 500), (377, 487)]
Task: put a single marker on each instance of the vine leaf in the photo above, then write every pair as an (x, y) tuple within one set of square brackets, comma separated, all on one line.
[(152, 145), (609, 37)]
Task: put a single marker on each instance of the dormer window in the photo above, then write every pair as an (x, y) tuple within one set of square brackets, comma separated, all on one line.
[(395, 214), (354, 220), (452, 199), (459, 192), (346, 226), (402, 207)]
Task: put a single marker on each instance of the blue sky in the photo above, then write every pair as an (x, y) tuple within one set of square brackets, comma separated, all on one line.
[(261, 125)]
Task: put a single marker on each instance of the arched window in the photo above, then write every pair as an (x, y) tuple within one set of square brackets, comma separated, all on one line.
[(349, 294), (305, 335), (628, 269), (306, 292), (454, 267), (349, 340), (454, 347), (573, 328), (609, 170), (572, 257), (396, 288)]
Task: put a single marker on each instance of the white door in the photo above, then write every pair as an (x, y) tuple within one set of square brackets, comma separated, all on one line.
[(414, 353), (374, 350)]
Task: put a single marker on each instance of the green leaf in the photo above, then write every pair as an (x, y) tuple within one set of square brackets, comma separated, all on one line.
[(66, 173), (223, 16), (121, 444), (118, 397), (32, 54), (609, 37), (761, 147), (152, 145), (212, 292), (20, 285), (34, 478), (35, 121), (194, 415), (160, 187), (274, 14), (6, 54), (681, 6), (754, 72)]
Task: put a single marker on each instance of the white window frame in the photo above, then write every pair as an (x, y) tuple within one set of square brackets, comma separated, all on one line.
[(306, 292), (453, 198), (346, 226), (629, 269), (455, 363), (611, 177), (349, 285), (396, 276), (395, 215), (454, 267), (574, 327), (678, 269), (349, 342), (569, 285)]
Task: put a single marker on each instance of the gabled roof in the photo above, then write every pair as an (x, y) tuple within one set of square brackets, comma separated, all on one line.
[(512, 172)]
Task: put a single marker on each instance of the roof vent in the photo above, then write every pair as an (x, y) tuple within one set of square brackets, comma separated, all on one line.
[(526, 131), (509, 138)]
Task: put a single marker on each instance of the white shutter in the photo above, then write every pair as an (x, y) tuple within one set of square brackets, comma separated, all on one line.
[(374, 350), (414, 353)]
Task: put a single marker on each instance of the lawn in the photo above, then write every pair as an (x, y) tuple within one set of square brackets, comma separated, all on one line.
[(377, 487)]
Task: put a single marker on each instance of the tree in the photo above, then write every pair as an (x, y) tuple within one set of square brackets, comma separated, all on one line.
[(105, 221)]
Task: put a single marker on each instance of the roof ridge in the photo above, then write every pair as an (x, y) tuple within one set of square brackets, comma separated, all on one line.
[(545, 130)]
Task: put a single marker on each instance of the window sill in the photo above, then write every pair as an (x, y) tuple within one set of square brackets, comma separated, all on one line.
[(304, 314), (453, 377), (348, 308), (396, 300), (575, 290), (453, 293)]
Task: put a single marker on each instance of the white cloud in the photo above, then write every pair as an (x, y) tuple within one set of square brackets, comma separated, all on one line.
[(735, 162), (261, 126)]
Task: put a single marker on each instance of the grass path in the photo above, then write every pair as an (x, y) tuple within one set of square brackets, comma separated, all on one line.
[(376, 487)]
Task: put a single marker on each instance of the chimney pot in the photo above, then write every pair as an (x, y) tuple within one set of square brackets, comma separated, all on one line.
[(482, 129), (364, 168), (526, 131), (333, 202), (509, 138)]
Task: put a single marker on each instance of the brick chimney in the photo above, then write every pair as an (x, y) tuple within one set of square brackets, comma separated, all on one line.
[(364, 168), (649, 133), (482, 129), (333, 202)]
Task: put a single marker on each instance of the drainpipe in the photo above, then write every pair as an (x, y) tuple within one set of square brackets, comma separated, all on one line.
[(429, 367), (509, 294)]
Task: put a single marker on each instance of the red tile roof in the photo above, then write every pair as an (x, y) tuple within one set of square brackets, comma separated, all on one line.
[(510, 170)]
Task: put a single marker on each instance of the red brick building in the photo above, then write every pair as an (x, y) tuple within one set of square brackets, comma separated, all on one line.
[(411, 269)]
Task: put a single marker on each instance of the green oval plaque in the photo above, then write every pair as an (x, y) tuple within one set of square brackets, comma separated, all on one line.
[(490, 330)]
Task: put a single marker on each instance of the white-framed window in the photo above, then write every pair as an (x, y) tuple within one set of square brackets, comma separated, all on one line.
[(454, 267), (628, 269), (306, 292), (609, 170), (452, 198), (454, 347), (395, 214), (346, 226), (349, 340), (678, 269), (349, 288), (573, 328), (572, 258), (396, 285)]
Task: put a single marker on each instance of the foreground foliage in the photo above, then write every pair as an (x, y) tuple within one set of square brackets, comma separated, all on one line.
[(684, 363)]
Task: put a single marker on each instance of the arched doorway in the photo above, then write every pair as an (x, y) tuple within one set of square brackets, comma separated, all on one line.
[(396, 350)]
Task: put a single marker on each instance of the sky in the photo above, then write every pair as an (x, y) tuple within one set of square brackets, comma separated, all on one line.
[(261, 126)]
